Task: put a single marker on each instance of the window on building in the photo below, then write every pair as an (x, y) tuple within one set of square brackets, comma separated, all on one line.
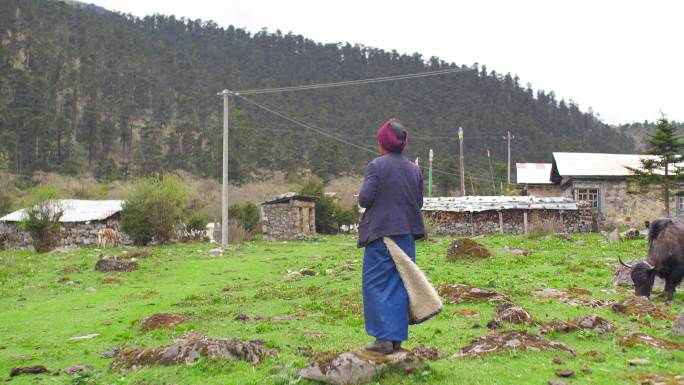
[(679, 200), (590, 195)]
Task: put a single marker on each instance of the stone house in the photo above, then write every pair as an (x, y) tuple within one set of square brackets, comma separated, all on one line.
[(289, 216), (534, 179), (480, 215), (80, 223), (602, 180)]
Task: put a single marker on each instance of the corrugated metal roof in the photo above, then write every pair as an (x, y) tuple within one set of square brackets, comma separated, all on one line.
[(288, 196), (77, 210), (533, 173), (486, 203), (596, 164)]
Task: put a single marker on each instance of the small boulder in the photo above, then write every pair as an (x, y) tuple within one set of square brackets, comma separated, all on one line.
[(189, 349), (639, 362), (678, 325), (358, 367), (614, 236), (512, 313), (78, 369)]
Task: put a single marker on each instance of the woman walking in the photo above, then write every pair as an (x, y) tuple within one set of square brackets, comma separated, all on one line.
[(392, 194)]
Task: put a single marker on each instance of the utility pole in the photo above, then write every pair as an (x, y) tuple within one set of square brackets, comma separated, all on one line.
[(224, 192), (509, 137), (460, 143), (430, 174), (491, 171)]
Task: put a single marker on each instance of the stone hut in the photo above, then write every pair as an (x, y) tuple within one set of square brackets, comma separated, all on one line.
[(480, 215), (289, 216), (80, 223), (603, 181)]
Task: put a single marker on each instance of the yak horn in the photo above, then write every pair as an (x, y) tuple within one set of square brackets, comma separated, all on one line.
[(624, 264), (649, 265)]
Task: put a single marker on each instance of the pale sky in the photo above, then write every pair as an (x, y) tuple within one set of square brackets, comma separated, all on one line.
[(625, 59)]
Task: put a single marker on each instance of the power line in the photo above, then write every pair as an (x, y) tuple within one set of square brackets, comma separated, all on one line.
[(306, 125), (352, 82), (321, 131)]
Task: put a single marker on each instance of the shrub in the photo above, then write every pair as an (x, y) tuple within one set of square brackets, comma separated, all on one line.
[(236, 232), (196, 226), (329, 215), (247, 214), (154, 209), (41, 218)]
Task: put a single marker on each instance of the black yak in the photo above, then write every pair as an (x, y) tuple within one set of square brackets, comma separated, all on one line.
[(665, 258)]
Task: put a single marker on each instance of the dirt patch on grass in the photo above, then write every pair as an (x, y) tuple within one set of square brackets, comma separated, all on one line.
[(469, 313), (36, 369), (144, 253), (497, 342), (464, 248), (189, 349), (111, 281), (457, 293), (512, 313), (592, 322), (641, 307), (114, 263), (638, 338), (572, 296), (660, 379), (430, 353), (164, 321)]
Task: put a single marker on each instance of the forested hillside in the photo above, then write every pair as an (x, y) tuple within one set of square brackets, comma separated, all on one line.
[(87, 91)]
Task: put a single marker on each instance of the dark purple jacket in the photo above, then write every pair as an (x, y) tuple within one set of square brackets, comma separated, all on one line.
[(392, 194)]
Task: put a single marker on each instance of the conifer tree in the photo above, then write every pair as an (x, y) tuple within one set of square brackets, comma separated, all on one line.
[(664, 170)]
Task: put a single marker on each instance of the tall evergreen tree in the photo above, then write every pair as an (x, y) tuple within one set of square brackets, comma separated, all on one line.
[(664, 170)]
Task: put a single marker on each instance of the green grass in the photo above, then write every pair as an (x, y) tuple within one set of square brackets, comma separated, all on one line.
[(38, 314)]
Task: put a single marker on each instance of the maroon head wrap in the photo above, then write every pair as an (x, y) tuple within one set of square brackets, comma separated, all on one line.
[(393, 136)]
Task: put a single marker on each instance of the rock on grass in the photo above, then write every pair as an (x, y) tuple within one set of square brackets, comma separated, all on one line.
[(512, 313), (358, 367), (464, 248), (190, 348), (497, 342), (592, 322), (678, 325)]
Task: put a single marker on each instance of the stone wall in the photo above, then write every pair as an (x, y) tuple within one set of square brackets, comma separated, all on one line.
[(293, 220), (72, 234), (542, 190), (509, 221), (620, 205)]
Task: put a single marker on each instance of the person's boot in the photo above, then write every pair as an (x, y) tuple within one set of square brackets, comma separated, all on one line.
[(396, 346), (381, 346)]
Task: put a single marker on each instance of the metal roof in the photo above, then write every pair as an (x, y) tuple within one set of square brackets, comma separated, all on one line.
[(473, 204), (77, 210), (288, 196), (596, 164), (533, 173)]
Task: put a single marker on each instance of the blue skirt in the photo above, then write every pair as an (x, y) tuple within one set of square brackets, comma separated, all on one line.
[(385, 301)]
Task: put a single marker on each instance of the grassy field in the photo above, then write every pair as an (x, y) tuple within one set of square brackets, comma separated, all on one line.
[(39, 312)]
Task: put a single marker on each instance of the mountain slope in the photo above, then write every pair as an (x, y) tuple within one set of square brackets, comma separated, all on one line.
[(115, 95)]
